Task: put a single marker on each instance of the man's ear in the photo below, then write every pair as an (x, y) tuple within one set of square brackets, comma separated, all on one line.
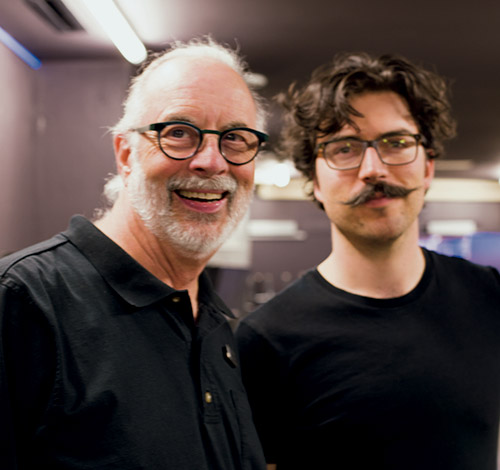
[(429, 173), (317, 191), (122, 155)]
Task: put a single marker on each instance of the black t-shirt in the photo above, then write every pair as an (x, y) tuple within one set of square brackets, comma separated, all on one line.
[(102, 366), (340, 381)]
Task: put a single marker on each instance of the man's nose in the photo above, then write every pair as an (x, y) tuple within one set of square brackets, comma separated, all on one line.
[(209, 160), (372, 167)]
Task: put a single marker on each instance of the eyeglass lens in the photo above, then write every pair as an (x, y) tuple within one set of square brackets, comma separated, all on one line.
[(182, 141), (393, 150)]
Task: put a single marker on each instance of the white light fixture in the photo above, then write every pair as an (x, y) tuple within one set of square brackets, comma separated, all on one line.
[(271, 171), (283, 229), (114, 24), (452, 228), (463, 190), (281, 175)]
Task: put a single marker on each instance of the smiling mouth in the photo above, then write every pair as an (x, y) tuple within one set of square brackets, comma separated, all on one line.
[(198, 196)]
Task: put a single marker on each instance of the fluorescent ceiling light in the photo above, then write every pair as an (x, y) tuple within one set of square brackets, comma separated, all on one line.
[(118, 29), (114, 24), (17, 48)]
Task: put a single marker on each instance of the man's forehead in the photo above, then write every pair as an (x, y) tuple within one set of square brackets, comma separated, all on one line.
[(381, 108), (183, 85), (184, 70), (379, 112), (375, 100)]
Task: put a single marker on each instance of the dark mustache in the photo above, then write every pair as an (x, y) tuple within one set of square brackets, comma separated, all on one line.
[(371, 190)]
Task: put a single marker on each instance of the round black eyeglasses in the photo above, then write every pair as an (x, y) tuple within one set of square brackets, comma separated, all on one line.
[(346, 153), (181, 140)]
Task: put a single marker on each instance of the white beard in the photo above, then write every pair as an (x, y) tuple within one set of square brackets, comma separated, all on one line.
[(195, 233)]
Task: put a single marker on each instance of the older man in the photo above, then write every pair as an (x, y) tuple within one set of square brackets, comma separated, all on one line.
[(115, 350), (386, 356)]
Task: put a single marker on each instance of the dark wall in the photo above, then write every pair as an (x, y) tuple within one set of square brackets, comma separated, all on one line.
[(17, 120), (56, 151), (77, 102)]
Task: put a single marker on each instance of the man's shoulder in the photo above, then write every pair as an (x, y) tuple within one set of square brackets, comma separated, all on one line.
[(62, 256), (291, 299), (463, 274), (460, 266), (304, 284), (31, 258)]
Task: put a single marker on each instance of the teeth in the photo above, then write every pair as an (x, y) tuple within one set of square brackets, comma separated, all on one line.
[(196, 195)]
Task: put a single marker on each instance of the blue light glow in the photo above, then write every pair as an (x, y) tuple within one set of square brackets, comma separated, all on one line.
[(18, 49)]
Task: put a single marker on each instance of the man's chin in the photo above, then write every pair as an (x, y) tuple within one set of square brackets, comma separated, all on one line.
[(198, 244)]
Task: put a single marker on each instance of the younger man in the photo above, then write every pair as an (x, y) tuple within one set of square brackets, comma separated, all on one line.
[(385, 356)]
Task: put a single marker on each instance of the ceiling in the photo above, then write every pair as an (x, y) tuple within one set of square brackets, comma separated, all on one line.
[(286, 39)]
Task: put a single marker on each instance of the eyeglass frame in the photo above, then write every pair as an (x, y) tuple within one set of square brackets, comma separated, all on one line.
[(159, 126), (373, 144)]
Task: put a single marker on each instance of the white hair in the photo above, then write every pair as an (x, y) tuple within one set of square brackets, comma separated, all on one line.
[(205, 47), (196, 234), (133, 106)]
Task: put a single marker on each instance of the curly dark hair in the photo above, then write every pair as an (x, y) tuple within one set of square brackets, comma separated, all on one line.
[(322, 105)]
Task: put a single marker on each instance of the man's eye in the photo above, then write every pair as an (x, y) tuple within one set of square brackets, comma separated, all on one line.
[(177, 133), (234, 137), (344, 149), (398, 142)]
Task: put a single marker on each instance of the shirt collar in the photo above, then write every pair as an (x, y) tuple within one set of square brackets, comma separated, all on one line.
[(127, 277), (207, 296), (135, 284)]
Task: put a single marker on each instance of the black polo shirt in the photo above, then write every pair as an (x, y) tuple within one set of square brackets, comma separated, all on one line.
[(103, 367)]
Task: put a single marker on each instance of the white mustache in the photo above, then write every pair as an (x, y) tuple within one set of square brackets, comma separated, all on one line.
[(215, 183)]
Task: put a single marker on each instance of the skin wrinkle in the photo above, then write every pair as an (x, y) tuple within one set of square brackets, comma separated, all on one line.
[(159, 190), (153, 201)]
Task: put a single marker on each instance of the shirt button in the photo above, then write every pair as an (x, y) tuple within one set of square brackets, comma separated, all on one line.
[(208, 397), (176, 299), (229, 356)]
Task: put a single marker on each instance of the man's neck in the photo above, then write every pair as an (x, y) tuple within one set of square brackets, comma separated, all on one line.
[(377, 270), (167, 263)]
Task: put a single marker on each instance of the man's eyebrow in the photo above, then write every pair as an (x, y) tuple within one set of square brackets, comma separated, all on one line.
[(398, 132), (178, 117), (184, 118), (401, 131), (235, 124)]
